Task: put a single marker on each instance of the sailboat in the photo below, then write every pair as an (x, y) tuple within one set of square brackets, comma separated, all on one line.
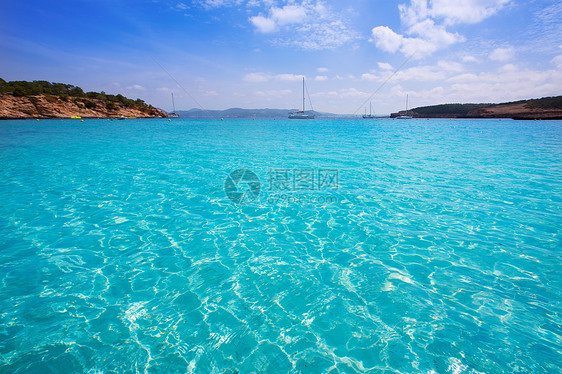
[(370, 115), (173, 114), (300, 114), (405, 117)]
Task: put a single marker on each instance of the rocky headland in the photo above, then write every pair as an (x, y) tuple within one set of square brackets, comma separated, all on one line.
[(544, 108), (41, 99)]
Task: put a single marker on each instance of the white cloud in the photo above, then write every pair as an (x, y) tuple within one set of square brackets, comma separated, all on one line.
[(305, 24), (263, 24), (347, 93), (423, 36), (137, 87), (273, 93), (428, 30), (321, 78), (557, 61), (209, 4), (322, 70), (416, 12), (502, 54), (450, 11), (417, 47), (509, 68), (430, 38), (386, 39), (211, 93), (451, 66), (352, 92), (256, 77), (385, 66), (422, 73), (506, 84), (369, 77), (288, 14), (468, 77), (260, 77), (469, 58), (465, 11), (288, 77), (321, 35)]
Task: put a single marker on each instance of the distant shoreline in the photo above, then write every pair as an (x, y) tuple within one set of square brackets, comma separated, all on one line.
[(544, 108), (45, 100)]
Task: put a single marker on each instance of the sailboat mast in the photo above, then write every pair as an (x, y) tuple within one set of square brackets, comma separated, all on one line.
[(300, 114), (173, 103), (406, 102), (303, 94)]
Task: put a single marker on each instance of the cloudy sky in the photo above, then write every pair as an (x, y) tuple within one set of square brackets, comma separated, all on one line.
[(219, 54)]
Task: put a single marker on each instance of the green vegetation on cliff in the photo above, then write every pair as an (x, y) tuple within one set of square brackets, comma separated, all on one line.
[(547, 107), (66, 91), (554, 102), (459, 110)]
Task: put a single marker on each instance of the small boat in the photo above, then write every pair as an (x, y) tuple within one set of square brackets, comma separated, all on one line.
[(405, 116), (301, 114), (173, 114), (370, 115)]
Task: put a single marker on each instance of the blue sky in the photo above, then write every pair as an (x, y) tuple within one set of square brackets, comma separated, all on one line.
[(253, 53)]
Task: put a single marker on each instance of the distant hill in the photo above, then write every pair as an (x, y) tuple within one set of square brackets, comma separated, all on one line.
[(42, 99), (545, 108), (245, 113)]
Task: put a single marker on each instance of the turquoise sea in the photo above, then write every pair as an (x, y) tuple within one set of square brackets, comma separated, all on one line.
[(277, 246)]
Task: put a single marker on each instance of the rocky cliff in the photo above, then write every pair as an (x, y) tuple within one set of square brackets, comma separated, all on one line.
[(516, 111), (42, 99), (50, 106)]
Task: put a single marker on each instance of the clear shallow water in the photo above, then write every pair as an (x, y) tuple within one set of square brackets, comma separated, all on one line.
[(436, 250)]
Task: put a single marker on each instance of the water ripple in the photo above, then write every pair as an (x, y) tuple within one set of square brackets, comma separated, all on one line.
[(439, 253)]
